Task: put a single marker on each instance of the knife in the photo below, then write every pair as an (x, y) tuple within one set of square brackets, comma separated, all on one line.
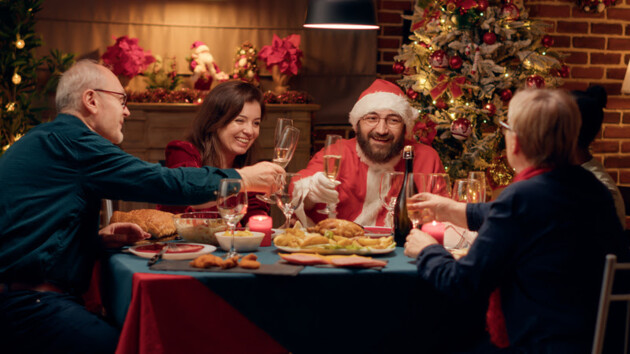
[(158, 256)]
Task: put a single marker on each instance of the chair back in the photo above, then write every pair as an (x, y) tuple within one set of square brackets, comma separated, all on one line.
[(606, 297)]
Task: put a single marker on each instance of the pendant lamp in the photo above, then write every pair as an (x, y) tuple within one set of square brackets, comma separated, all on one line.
[(341, 14)]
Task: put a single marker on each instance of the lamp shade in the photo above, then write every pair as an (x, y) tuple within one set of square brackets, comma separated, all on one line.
[(341, 14)]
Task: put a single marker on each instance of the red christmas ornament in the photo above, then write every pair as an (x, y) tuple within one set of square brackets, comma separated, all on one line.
[(412, 94), (440, 104), (398, 67), (455, 62), (506, 95), (535, 81), (423, 45), (510, 12), (482, 5), (547, 41), (489, 38), (491, 108), (438, 60), (564, 71), (461, 128)]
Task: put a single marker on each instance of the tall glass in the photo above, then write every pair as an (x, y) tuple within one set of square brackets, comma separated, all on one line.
[(417, 183), (481, 177), (284, 196), (332, 162), (232, 205), (283, 152), (391, 182)]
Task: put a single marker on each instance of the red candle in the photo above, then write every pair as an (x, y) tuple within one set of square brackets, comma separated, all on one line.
[(261, 223), (436, 230)]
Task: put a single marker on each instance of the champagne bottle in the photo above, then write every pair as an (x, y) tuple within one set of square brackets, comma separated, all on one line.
[(402, 224)]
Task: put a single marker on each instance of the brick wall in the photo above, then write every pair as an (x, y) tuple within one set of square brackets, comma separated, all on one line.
[(598, 47)]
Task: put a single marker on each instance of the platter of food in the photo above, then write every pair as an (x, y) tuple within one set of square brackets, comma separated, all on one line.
[(175, 251), (332, 236)]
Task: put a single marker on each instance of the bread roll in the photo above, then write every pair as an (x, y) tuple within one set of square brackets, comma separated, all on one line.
[(158, 223)]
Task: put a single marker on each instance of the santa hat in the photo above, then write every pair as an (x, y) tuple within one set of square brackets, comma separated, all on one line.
[(383, 94), (199, 47)]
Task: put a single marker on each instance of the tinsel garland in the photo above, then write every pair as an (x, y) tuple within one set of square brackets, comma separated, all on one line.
[(186, 95)]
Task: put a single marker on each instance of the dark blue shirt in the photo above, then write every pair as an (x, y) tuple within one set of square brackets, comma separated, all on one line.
[(543, 244), (52, 181)]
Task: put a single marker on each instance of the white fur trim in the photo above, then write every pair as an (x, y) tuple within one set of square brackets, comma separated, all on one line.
[(384, 100)]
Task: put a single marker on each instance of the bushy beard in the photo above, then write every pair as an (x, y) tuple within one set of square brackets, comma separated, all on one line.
[(380, 156)]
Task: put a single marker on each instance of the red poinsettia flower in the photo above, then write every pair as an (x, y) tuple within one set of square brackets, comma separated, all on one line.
[(283, 52), (425, 131), (126, 58)]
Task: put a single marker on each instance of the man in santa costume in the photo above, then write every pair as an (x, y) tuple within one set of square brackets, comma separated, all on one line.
[(383, 120)]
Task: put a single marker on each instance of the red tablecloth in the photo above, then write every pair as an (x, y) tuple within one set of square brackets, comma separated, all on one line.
[(213, 326)]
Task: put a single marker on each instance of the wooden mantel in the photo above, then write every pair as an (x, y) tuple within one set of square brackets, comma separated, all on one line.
[(153, 125)]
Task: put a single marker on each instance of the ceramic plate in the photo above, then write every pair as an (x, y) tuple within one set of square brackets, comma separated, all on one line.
[(314, 249), (176, 251)]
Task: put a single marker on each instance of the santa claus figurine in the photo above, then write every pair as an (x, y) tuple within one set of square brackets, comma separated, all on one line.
[(204, 69)]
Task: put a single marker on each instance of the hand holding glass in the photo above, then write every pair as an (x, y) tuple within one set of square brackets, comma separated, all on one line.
[(232, 205), (283, 151)]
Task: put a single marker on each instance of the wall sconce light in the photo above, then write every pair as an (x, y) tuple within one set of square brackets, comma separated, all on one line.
[(341, 14), (625, 87)]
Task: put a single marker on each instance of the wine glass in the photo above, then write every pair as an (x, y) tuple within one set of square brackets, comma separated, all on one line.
[(481, 177), (332, 161), (417, 183), (284, 196), (467, 190), (282, 154), (391, 182), (232, 205)]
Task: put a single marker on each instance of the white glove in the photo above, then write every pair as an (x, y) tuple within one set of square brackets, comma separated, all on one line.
[(318, 189)]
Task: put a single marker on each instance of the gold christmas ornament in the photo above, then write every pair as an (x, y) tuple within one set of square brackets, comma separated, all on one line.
[(16, 79), (10, 107), (501, 174), (19, 44)]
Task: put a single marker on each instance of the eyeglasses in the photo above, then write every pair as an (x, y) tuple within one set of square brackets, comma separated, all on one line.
[(504, 125), (124, 95), (391, 121)]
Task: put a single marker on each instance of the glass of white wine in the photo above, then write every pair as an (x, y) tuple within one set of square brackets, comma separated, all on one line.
[(417, 183), (332, 161), (481, 177), (232, 205)]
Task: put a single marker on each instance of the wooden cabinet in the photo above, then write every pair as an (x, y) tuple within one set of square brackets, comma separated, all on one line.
[(153, 125)]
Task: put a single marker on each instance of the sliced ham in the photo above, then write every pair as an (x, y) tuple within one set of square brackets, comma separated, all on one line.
[(356, 261), (304, 259)]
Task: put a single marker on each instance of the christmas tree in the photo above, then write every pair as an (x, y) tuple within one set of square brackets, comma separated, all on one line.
[(18, 69), (465, 60)]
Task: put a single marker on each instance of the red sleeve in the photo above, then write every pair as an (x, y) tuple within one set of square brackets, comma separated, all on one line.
[(182, 154), (426, 159)]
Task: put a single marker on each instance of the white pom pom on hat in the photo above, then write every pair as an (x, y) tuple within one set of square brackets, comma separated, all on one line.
[(383, 94)]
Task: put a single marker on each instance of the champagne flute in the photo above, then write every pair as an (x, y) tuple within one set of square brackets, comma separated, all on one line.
[(284, 196), (481, 177), (282, 154), (391, 182), (332, 161), (232, 205)]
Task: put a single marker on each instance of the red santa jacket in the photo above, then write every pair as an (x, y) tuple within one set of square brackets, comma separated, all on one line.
[(360, 180)]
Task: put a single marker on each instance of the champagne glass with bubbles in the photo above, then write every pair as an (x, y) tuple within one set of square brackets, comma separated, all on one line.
[(481, 177), (232, 205), (332, 161)]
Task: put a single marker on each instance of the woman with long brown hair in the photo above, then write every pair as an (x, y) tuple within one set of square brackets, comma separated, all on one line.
[(222, 135)]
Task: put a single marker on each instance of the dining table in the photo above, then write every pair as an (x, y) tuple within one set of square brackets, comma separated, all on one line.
[(314, 309)]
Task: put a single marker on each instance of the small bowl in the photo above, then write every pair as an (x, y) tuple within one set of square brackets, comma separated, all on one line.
[(200, 226), (241, 243)]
